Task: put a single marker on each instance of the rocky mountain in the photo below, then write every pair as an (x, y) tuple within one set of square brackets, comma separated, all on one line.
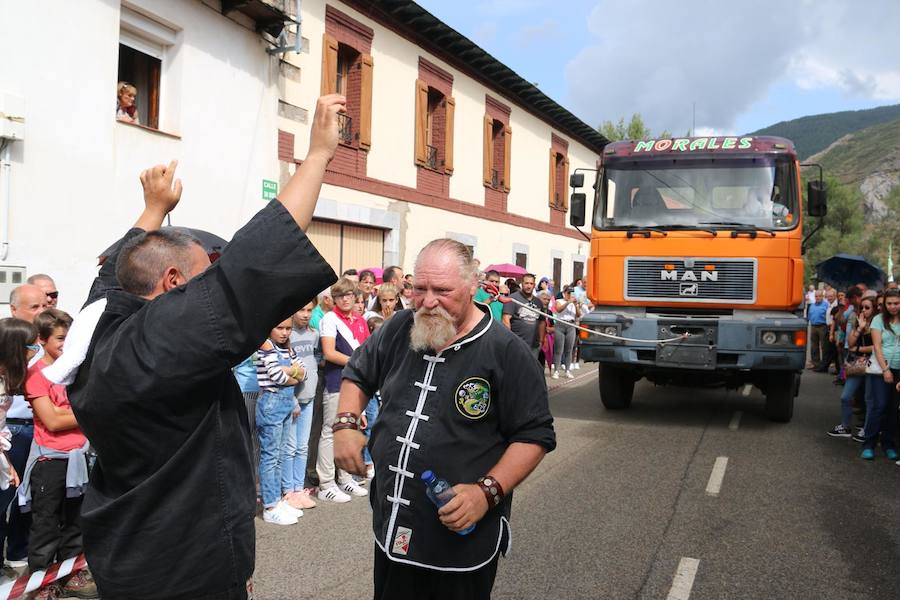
[(868, 159)]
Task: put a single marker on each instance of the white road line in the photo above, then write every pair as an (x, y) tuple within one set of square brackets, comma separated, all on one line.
[(684, 579), (735, 421), (715, 478)]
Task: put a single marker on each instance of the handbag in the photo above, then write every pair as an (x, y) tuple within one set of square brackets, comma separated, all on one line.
[(873, 367), (856, 365)]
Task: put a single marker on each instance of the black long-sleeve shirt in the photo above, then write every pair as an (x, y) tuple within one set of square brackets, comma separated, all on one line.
[(454, 412), (169, 513)]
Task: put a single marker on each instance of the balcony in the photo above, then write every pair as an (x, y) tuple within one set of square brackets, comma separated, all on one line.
[(345, 129), (431, 157)]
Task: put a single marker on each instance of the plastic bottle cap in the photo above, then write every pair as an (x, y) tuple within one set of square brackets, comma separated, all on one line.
[(427, 475)]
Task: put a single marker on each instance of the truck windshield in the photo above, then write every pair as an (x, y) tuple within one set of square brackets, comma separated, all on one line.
[(725, 193)]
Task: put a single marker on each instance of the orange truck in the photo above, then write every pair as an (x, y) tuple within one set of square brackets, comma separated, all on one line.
[(697, 240)]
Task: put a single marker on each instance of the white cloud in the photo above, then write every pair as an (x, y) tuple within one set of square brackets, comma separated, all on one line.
[(657, 57)]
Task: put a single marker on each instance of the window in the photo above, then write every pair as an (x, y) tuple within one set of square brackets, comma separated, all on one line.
[(347, 71), (143, 44), (557, 274), (434, 128), (522, 260), (559, 181), (497, 144), (577, 270)]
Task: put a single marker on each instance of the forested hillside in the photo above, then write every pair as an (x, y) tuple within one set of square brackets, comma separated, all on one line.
[(815, 133)]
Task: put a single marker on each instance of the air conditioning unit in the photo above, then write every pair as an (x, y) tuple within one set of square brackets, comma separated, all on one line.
[(12, 116), (10, 278)]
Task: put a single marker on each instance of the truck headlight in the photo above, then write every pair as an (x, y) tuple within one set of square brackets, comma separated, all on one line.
[(610, 330), (769, 338)]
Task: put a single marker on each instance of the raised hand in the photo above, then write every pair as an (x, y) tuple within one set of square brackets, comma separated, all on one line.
[(323, 137), (161, 190)]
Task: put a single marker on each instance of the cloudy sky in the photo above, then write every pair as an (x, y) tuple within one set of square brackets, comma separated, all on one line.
[(744, 65)]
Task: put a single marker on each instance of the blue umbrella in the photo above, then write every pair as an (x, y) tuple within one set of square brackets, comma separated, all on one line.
[(845, 270)]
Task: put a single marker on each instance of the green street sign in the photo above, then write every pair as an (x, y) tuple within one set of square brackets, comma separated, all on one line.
[(269, 189)]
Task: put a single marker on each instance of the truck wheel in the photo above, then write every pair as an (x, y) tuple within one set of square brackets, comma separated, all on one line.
[(616, 387), (781, 387)]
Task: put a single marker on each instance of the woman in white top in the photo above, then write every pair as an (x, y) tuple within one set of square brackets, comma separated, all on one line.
[(567, 311)]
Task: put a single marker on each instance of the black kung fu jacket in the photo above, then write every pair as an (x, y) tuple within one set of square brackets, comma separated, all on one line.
[(454, 412), (169, 512)]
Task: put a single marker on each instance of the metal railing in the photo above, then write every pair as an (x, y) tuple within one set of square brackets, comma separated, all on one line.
[(345, 128), (431, 157)]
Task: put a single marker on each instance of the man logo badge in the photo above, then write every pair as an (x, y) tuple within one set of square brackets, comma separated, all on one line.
[(689, 289)]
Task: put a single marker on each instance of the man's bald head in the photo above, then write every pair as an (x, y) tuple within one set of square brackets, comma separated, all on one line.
[(27, 301), (154, 262)]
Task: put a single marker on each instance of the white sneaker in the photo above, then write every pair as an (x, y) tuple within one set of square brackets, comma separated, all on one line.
[(297, 512), (575, 366), (569, 374), (353, 488), (279, 516), (555, 375), (333, 493)]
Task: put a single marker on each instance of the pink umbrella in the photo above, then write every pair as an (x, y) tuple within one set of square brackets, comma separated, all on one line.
[(507, 270), (379, 274)]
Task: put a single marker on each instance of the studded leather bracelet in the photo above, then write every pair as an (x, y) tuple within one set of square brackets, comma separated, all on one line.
[(345, 420), (492, 489)]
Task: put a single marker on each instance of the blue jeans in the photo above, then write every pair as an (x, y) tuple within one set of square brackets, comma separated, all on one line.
[(296, 450), (14, 533), (881, 411), (371, 415), (273, 417), (851, 386)]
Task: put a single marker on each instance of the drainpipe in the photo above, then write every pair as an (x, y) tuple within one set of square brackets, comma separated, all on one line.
[(5, 175)]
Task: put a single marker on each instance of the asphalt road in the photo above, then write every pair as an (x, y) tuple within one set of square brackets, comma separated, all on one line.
[(627, 501)]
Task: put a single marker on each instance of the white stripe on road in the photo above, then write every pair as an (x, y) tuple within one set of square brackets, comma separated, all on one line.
[(715, 478), (684, 579), (735, 421)]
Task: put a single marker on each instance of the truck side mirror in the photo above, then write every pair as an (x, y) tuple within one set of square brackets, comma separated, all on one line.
[(576, 209), (576, 180), (816, 199)]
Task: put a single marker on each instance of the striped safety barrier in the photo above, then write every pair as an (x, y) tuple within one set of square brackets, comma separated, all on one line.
[(35, 581)]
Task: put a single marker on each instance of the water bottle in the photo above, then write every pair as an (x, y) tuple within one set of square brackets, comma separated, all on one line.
[(440, 492)]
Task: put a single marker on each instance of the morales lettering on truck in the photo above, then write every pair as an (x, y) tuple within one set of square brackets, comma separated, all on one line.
[(694, 144)]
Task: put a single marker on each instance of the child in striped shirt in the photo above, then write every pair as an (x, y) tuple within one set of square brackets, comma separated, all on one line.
[(278, 371)]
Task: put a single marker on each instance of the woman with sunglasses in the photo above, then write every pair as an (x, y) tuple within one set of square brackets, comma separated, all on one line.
[(859, 346), (881, 417)]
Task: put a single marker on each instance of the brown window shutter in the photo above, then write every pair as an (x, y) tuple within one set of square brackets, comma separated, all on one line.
[(421, 120), (329, 64), (564, 193), (488, 148), (448, 138), (365, 102), (552, 178), (507, 174)]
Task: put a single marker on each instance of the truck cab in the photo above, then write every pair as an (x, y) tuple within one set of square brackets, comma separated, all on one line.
[(696, 268)]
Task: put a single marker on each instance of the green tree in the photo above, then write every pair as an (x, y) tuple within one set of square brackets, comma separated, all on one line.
[(843, 228), (635, 129)]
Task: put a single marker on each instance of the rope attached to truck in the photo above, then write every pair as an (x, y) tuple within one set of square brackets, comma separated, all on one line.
[(681, 337)]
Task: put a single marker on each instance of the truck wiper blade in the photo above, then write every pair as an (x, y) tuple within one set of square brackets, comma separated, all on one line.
[(740, 227), (690, 228), (634, 230)]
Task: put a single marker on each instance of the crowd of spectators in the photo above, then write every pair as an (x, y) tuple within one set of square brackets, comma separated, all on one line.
[(855, 335)]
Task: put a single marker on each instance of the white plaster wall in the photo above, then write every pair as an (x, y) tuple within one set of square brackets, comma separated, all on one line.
[(74, 182)]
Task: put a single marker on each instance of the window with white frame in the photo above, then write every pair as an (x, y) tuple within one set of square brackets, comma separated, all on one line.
[(143, 45)]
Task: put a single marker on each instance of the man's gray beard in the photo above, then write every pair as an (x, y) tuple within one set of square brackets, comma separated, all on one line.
[(431, 330)]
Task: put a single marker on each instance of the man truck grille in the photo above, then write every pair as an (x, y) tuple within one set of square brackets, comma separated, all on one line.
[(720, 280)]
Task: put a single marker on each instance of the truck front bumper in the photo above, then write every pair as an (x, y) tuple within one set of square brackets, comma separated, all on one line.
[(742, 341)]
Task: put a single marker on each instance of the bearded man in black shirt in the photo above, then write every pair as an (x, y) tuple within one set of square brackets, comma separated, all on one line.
[(462, 396)]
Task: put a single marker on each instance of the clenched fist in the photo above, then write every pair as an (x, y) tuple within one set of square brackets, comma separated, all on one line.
[(161, 190)]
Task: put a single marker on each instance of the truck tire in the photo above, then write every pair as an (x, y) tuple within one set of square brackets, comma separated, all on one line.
[(781, 387), (616, 387)]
